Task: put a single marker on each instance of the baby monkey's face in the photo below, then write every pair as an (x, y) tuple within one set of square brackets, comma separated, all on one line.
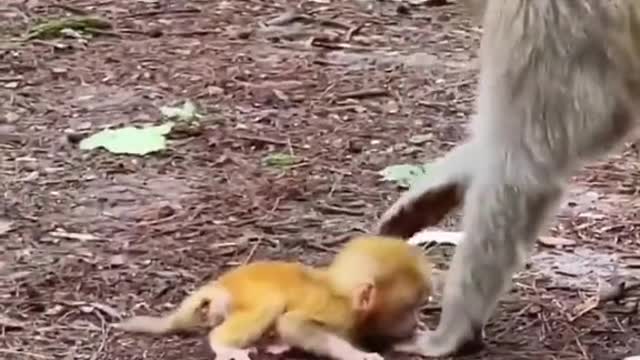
[(395, 314)]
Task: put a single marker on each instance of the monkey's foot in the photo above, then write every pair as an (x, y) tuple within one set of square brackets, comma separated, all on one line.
[(348, 353), (227, 353), (367, 356), (440, 343), (278, 348)]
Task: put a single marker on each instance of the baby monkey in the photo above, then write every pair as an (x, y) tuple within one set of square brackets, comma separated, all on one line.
[(372, 289)]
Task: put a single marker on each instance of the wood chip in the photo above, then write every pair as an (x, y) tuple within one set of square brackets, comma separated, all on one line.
[(552, 241)]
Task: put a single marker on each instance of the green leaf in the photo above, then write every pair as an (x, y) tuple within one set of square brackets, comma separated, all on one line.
[(185, 112), (54, 28), (280, 160), (129, 140), (404, 175)]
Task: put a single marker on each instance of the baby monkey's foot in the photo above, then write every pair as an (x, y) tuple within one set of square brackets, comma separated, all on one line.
[(228, 353), (441, 343)]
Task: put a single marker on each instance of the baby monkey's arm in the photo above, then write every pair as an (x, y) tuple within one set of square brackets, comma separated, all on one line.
[(298, 330)]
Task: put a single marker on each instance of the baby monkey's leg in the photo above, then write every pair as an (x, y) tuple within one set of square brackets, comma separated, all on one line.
[(298, 330), (230, 340), (501, 223)]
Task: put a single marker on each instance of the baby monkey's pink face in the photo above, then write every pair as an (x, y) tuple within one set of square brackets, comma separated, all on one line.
[(395, 314), (401, 325)]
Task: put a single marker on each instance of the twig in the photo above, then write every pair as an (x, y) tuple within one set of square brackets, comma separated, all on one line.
[(330, 22), (163, 12), (288, 17), (516, 315), (11, 78), (69, 8), (361, 94), (191, 33), (334, 186), (24, 353), (292, 16), (265, 140), (338, 46), (321, 248), (614, 292), (252, 252), (590, 304), (582, 349), (352, 31), (103, 342), (339, 210)]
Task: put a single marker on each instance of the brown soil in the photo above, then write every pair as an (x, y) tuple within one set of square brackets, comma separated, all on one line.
[(89, 237)]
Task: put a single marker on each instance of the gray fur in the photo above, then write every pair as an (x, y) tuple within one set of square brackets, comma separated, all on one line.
[(559, 86)]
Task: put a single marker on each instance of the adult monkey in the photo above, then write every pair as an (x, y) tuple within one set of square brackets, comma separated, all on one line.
[(559, 85)]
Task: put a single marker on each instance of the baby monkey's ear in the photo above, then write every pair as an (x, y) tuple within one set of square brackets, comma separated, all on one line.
[(364, 297)]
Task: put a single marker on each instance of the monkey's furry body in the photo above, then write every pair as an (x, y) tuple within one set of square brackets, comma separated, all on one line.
[(559, 85)]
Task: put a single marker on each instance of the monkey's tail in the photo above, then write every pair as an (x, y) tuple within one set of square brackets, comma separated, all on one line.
[(188, 316)]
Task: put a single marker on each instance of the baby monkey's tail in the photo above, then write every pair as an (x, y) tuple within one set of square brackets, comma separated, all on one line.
[(198, 309)]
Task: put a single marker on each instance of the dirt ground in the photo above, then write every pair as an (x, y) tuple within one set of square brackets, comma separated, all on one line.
[(89, 237)]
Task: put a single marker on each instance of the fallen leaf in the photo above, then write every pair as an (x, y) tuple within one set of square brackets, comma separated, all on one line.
[(5, 226), (404, 175), (185, 112), (129, 140), (555, 241)]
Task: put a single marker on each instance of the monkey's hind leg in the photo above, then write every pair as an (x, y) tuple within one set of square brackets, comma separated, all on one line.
[(501, 222), (231, 339), (430, 201)]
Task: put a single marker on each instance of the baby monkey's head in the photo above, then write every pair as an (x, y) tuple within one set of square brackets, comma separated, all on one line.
[(389, 280)]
